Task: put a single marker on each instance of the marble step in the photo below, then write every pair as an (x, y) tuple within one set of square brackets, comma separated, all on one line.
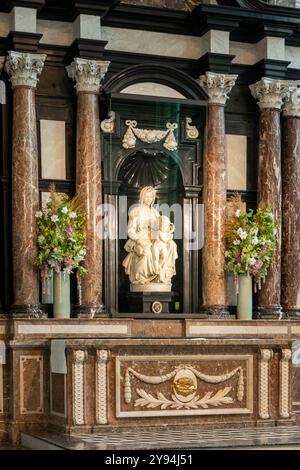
[(265, 438)]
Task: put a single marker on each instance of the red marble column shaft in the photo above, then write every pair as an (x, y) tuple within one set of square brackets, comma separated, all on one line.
[(88, 182), (290, 281), (25, 197), (214, 200), (269, 194)]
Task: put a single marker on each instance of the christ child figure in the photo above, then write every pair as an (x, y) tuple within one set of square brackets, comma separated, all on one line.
[(161, 246)]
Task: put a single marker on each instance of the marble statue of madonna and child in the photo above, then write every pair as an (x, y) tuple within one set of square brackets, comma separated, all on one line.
[(150, 262)]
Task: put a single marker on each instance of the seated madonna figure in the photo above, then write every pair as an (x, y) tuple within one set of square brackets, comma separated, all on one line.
[(152, 252)]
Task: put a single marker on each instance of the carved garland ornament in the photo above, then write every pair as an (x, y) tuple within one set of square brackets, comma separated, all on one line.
[(285, 383), (150, 135), (266, 355), (101, 394), (184, 388), (78, 387)]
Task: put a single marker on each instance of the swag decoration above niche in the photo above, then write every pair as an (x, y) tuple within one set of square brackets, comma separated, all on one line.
[(149, 135)]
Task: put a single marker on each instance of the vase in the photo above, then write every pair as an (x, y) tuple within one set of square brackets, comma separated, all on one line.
[(62, 303), (47, 288), (244, 297)]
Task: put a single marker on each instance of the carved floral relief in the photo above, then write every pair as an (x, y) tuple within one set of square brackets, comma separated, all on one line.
[(194, 387)]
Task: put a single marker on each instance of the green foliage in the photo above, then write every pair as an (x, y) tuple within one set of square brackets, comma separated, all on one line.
[(61, 238), (250, 242)]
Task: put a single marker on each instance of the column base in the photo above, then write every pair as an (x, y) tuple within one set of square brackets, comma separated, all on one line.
[(217, 311), (292, 312), (273, 312), (27, 311), (90, 311)]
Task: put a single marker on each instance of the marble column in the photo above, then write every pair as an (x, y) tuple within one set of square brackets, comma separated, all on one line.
[(290, 276), (217, 86), (2, 84), (88, 74), (2, 101), (270, 94), (24, 70)]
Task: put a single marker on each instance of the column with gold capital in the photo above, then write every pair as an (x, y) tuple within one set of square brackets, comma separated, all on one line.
[(87, 75), (290, 276), (217, 86), (24, 70), (270, 94)]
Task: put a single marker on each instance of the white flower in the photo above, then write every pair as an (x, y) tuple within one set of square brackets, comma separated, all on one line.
[(38, 214), (238, 213), (255, 241), (236, 242), (73, 215), (55, 250), (65, 210), (226, 253), (271, 215), (275, 231), (252, 261), (242, 233), (41, 238), (54, 218)]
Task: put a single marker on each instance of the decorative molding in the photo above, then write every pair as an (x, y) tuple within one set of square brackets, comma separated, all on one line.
[(270, 93), (217, 86), (1, 390), (191, 132), (185, 398), (87, 74), (78, 387), (24, 68), (188, 374), (292, 103), (101, 387), (284, 381), (149, 135), (265, 357), (108, 125), (27, 388)]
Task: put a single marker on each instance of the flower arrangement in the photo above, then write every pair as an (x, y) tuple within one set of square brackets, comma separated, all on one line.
[(61, 235), (250, 241)]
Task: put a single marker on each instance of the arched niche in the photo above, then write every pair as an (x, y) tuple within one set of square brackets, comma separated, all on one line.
[(176, 174), (159, 169)]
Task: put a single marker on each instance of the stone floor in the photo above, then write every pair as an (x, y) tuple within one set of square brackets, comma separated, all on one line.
[(246, 438)]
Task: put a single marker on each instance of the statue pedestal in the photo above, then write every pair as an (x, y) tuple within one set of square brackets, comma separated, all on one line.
[(151, 302)]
